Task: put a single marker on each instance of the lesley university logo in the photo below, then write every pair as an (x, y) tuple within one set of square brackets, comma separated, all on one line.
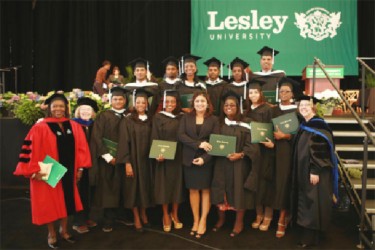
[(318, 23)]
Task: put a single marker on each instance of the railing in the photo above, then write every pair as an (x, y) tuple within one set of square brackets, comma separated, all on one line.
[(368, 138), (363, 79)]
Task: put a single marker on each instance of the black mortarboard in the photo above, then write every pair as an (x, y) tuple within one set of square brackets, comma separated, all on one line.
[(88, 101), (308, 98), (294, 86), (255, 84), (118, 91), (213, 61), (190, 58), (55, 96), (267, 51), (140, 92), (238, 61), (171, 60), (139, 63), (230, 93)]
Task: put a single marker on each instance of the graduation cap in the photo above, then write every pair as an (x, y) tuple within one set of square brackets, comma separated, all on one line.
[(88, 101), (267, 51), (213, 61), (312, 99), (292, 84), (170, 60), (238, 62), (255, 84), (170, 92), (56, 96), (140, 63), (118, 91), (189, 58)]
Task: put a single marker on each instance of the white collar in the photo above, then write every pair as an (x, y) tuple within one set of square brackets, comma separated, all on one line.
[(118, 110), (235, 123), (217, 80), (239, 84), (260, 73), (193, 84), (142, 117), (140, 84), (171, 81), (287, 107), (167, 114)]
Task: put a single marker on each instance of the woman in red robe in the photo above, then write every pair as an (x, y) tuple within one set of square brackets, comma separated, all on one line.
[(64, 141)]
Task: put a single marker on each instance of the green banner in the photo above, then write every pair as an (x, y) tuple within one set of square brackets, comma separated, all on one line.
[(300, 30)]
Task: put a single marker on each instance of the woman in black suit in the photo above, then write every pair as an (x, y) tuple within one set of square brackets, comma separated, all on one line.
[(194, 132)]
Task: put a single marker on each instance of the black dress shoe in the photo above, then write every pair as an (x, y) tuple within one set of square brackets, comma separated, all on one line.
[(234, 234), (125, 221), (216, 229)]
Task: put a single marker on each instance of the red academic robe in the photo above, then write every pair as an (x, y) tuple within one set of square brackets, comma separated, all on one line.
[(47, 203)]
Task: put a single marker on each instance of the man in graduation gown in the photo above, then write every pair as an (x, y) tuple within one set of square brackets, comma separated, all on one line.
[(106, 175), (142, 80), (214, 83), (267, 73)]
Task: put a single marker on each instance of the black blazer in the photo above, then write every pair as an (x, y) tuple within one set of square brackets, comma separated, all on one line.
[(187, 135)]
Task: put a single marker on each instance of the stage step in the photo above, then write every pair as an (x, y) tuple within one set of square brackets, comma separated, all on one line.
[(357, 183), (353, 148), (343, 120), (350, 133), (370, 206), (350, 163)]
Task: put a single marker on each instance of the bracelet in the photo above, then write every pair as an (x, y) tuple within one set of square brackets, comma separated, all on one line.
[(80, 169)]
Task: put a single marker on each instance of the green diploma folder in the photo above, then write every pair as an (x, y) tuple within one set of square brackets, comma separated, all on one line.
[(111, 146), (287, 123), (165, 148), (259, 132), (270, 96), (222, 145), (57, 171), (186, 100)]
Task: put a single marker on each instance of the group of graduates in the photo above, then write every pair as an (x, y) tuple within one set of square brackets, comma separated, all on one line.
[(292, 173)]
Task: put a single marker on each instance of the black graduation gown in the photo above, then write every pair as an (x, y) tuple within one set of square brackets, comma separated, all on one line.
[(266, 182), (163, 85), (283, 166), (215, 92), (184, 89), (312, 205), (168, 186), (134, 148), (108, 179), (230, 177), (154, 90), (270, 79), (239, 90)]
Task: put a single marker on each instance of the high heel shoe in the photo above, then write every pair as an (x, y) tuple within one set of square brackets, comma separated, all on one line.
[(257, 222), (192, 231), (68, 238), (265, 224), (280, 230), (167, 228), (52, 242), (176, 225), (200, 236)]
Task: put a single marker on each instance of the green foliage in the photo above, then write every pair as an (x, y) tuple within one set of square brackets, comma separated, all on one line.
[(355, 173), (370, 80), (28, 111)]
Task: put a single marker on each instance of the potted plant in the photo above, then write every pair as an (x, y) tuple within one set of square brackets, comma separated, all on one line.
[(328, 105)]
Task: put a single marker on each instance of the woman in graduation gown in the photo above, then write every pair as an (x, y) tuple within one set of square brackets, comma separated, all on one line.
[(85, 114), (194, 132), (315, 174), (288, 90), (133, 152), (238, 169), (260, 111), (238, 81), (190, 82), (106, 175), (168, 186), (63, 140)]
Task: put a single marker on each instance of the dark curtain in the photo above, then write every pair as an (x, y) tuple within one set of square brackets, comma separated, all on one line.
[(61, 44)]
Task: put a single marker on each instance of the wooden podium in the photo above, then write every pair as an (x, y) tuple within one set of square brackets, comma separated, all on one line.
[(336, 72)]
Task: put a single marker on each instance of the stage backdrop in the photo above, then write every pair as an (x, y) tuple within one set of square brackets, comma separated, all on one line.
[(300, 30)]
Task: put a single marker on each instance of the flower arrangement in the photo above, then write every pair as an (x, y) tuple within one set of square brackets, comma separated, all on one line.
[(327, 105), (30, 107)]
